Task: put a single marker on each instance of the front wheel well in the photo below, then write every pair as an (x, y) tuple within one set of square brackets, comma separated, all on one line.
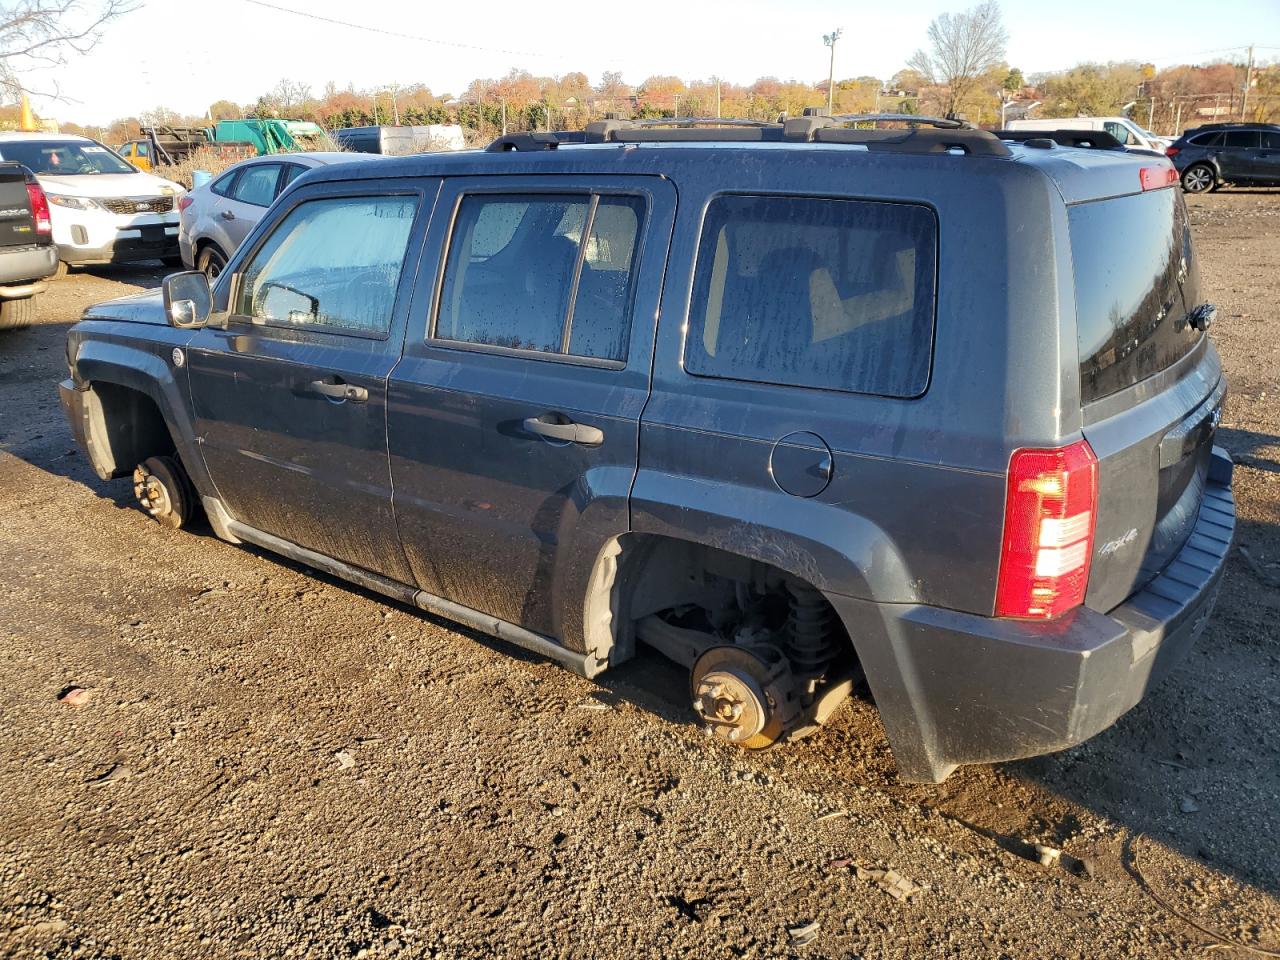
[(124, 428)]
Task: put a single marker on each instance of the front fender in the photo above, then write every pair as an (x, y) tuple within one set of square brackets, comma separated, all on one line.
[(830, 547), (106, 355)]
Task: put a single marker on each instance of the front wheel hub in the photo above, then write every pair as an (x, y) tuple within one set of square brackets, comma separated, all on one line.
[(151, 493)]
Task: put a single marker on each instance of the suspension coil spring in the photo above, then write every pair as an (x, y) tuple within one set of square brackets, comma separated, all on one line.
[(811, 642)]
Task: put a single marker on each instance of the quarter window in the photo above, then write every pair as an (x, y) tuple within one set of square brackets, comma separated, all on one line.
[(1271, 139), (1208, 140), (837, 294), (331, 264), (541, 272)]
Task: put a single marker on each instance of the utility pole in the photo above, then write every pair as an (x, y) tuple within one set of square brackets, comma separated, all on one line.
[(717, 98), (677, 111), (395, 104), (830, 40), (1248, 80), (1151, 113)]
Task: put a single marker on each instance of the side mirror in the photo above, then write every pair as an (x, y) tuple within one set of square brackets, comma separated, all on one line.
[(188, 301)]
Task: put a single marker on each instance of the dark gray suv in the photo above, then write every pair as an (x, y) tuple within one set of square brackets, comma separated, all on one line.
[(1243, 153), (794, 404)]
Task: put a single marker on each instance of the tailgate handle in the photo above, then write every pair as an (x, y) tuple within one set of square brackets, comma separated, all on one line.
[(566, 430)]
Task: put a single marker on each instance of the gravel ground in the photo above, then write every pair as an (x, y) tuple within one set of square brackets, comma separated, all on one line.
[(273, 763)]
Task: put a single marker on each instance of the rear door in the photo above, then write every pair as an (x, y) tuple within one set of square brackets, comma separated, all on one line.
[(248, 199), (1151, 383), (1236, 157), (290, 400), (513, 417)]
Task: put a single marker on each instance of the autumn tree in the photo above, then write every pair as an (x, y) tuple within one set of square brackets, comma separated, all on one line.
[(962, 47), (224, 110)]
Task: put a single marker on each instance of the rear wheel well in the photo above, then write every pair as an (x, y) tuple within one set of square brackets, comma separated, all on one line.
[(683, 598), (125, 428)]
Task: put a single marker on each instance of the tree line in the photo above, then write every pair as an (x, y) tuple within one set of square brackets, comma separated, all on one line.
[(961, 70)]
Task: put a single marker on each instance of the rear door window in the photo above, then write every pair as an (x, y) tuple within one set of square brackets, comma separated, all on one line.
[(1132, 258), (1271, 139), (1241, 140), (257, 184), (834, 294), (547, 273)]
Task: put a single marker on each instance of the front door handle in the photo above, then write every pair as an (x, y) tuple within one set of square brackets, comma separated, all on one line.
[(338, 390), (565, 430)]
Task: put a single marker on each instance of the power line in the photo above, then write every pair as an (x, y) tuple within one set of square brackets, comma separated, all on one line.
[(391, 33)]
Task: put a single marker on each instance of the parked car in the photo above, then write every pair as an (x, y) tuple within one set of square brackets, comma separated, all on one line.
[(104, 210), (1132, 136), (749, 396), (215, 218), (399, 141), (27, 253), (1218, 153)]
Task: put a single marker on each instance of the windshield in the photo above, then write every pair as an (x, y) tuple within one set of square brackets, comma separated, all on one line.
[(64, 157)]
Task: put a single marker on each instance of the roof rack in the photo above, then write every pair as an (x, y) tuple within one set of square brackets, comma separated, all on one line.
[(1047, 139), (922, 134)]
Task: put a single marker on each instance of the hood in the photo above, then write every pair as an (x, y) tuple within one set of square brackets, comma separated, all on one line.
[(109, 185), (145, 307)]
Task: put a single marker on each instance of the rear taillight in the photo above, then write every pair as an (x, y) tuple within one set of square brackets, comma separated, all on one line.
[(1153, 178), (39, 208), (1049, 513), (1171, 151), (184, 201)]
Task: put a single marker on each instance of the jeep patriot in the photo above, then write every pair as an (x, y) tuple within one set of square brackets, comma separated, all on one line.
[(799, 405)]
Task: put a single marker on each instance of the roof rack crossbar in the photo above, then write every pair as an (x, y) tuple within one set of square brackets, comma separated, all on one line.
[(946, 123)]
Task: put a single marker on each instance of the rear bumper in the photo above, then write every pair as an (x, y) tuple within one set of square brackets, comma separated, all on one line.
[(25, 265), (954, 688)]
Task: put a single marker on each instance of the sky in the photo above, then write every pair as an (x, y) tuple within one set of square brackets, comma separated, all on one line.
[(183, 55)]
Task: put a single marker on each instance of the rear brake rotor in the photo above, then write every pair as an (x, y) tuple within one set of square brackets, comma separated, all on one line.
[(744, 694)]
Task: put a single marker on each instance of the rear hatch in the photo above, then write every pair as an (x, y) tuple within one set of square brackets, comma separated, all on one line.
[(17, 225), (1151, 384)]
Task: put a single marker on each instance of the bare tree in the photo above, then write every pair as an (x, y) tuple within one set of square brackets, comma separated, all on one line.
[(962, 47), (37, 34)]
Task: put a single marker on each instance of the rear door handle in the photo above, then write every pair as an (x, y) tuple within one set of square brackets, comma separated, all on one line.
[(227, 215), (568, 431), (338, 390)]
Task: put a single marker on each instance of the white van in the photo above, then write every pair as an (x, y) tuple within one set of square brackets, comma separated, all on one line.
[(1122, 128), (104, 210)]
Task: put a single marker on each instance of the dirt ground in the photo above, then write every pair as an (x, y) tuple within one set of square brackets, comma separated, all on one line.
[(275, 764)]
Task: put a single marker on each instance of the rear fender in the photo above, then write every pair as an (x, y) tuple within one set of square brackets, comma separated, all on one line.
[(832, 548)]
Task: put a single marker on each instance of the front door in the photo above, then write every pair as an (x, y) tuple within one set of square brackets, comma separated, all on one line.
[(290, 400), (513, 417)]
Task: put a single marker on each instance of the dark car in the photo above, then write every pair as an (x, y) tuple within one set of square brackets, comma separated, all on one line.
[(749, 395), (1218, 153), (27, 254)]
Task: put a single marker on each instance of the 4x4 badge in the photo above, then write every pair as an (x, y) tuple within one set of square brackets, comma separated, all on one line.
[(1116, 545)]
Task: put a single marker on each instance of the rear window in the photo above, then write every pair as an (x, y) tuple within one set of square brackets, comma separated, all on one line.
[(1133, 263), (834, 294)]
